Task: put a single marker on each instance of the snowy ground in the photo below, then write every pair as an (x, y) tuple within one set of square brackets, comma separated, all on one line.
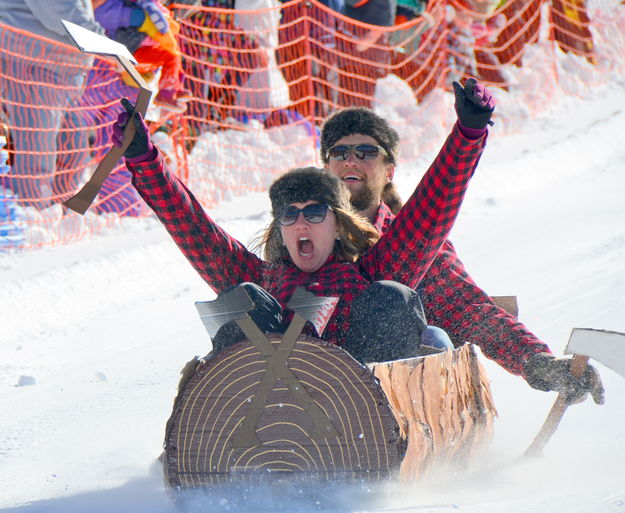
[(93, 337)]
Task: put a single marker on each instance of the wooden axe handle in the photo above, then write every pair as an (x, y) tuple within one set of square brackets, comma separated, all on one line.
[(578, 366), (83, 199)]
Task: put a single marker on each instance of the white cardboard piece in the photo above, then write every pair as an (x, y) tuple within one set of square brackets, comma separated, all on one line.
[(606, 347), (90, 42)]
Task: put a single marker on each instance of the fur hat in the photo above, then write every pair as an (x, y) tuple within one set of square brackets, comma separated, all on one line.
[(358, 120), (307, 184)]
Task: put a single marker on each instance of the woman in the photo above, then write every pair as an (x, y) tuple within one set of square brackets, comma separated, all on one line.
[(315, 240)]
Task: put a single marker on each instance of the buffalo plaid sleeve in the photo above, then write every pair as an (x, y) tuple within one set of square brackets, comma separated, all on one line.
[(221, 260), (411, 243), (454, 302)]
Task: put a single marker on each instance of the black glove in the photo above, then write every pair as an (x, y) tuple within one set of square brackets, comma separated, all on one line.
[(544, 371), (474, 104), (141, 148)]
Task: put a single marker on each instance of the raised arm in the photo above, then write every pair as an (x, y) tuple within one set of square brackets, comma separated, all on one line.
[(221, 260), (407, 249)]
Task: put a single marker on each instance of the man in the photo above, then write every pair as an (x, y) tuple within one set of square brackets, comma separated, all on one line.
[(452, 300)]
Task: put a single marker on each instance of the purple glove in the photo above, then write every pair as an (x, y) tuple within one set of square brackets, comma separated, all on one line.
[(141, 148), (474, 104)]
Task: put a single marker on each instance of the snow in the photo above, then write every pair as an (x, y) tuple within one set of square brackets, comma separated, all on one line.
[(93, 335)]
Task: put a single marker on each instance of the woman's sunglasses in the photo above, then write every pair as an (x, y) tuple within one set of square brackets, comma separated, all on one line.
[(313, 213), (362, 151)]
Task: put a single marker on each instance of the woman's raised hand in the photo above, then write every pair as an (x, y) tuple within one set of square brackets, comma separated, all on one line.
[(141, 148)]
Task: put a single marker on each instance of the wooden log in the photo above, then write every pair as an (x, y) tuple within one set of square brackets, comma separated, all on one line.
[(218, 395), (443, 406)]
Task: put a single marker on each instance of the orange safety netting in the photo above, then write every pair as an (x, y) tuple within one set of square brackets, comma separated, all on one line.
[(259, 79)]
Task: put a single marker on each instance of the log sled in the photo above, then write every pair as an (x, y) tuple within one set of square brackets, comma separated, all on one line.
[(287, 405), (329, 420), (443, 406)]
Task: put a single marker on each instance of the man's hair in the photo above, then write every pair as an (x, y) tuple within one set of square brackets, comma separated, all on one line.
[(300, 185), (358, 120), (391, 198)]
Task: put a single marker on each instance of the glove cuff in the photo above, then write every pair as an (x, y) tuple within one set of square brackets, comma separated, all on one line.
[(535, 369), (471, 133), (148, 155)]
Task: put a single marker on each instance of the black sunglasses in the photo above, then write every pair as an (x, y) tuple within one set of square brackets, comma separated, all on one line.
[(362, 151), (313, 213)]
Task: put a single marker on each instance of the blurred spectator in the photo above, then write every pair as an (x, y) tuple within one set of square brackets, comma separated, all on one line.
[(461, 58), (219, 66), (408, 10), (472, 32), (265, 87), (40, 80), (409, 60), (307, 56), (184, 11), (147, 29), (376, 53), (365, 60), (523, 24), (486, 28)]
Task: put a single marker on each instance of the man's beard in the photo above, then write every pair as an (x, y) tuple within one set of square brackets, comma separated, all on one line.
[(364, 198)]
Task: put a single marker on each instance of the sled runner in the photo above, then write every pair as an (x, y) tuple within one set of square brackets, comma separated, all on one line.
[(291, 405)]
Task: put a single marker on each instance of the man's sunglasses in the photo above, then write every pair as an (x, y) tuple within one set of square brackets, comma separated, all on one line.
[(362, 151), (313, 213)]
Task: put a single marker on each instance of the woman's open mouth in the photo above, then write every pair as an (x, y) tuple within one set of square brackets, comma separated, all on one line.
[(305, 247)]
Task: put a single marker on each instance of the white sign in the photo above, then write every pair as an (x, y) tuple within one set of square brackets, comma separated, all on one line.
[(90, 42)]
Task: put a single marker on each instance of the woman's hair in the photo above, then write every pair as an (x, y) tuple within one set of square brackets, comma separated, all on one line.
[(355, 233)]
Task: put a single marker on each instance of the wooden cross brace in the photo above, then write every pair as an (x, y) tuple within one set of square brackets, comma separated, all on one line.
[(277, 370)]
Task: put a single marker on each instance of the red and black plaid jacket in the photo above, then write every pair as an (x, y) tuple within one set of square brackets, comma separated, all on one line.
[(454, 302), (403, 253)]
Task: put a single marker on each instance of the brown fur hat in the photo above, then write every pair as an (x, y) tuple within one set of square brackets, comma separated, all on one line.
[(358, 120), (307, 184)]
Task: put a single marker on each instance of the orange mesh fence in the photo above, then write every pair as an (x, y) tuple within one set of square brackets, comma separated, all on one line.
[(261, 82), (57, 109), (571, 27)]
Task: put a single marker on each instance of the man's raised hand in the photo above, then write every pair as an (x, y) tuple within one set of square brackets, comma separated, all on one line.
[(474, 104)]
